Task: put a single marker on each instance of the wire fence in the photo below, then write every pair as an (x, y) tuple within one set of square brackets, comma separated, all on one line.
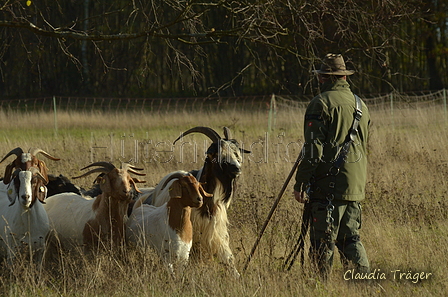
[(151, 105), (390, 102)]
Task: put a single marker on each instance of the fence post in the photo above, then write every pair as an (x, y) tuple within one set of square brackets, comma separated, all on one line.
[(55, 118), (272, 111), (392, 108), (444, 103), (391, 96)]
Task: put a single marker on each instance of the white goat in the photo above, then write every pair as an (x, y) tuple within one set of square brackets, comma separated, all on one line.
[(23, 224), (90, 221), (218, 175), (168, 228)]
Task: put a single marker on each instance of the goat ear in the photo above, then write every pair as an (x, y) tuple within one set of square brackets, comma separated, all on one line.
[(41, 192), (43, 170), (227, 133), (132, 181), (175, 189), (8, 173), (203, 192)]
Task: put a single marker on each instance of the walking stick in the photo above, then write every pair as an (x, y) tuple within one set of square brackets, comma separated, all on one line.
[(257, 241), (301, 241)]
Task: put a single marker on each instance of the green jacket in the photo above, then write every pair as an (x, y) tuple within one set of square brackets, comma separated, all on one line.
[(328, 118)]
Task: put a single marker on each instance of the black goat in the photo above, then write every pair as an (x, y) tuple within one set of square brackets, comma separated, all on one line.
[(61, 184)]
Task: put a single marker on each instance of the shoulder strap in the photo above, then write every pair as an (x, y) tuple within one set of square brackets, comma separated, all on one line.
[(351, 136)]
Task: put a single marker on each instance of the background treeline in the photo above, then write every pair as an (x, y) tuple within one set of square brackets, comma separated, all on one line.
[(171, 48)]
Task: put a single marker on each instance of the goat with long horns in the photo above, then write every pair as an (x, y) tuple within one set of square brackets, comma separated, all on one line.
[(218, 176), (98, 219)]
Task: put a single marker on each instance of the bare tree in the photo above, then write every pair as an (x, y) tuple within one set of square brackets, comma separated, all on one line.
[(173, 47)]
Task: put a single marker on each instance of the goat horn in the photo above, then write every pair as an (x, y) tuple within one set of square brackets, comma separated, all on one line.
[(17, 151), (132, 166), (177, 175), (106, 165), (101, 170), (135, 172), (35, 151), (227, 133), (128, 167), (204, 130)]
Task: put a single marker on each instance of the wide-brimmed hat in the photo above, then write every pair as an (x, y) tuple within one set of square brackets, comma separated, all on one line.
[(333, 64)]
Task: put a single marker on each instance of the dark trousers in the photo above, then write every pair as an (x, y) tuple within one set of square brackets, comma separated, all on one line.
[(344, 234)]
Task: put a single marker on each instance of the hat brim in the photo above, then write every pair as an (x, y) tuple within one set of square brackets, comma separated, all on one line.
[(338, 72)]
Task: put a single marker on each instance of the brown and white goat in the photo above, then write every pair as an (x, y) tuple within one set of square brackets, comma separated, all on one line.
[(168, 228), (24, 224), (218, 175), (24, 161), (92, 222)]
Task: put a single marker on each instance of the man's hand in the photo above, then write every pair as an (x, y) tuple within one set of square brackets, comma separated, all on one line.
[(300, 196)]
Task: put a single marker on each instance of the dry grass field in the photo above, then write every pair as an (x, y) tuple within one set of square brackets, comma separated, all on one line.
[(404, 229)]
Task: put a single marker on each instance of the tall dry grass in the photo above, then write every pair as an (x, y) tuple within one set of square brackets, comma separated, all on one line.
[(404, 220)]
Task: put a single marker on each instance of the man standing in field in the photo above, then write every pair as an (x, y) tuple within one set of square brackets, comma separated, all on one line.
[(330, 181)]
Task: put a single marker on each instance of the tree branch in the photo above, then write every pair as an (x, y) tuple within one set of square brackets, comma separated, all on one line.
[(65, 34)]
